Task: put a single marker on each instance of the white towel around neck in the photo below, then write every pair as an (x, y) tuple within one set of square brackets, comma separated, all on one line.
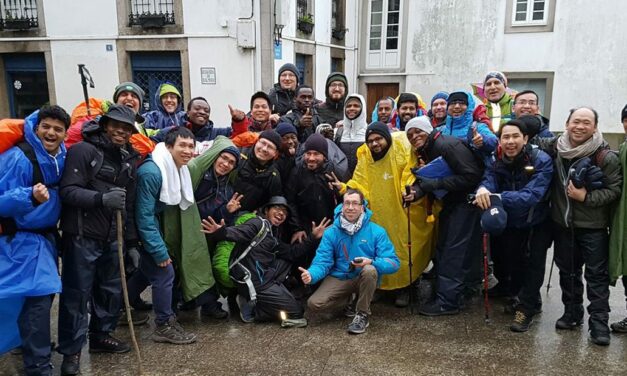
[(176, 184)]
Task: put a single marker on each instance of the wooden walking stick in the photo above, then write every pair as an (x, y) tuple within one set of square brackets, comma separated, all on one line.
[(127, 304)]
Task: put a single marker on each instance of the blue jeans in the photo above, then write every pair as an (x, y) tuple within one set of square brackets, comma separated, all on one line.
[(162, 281)]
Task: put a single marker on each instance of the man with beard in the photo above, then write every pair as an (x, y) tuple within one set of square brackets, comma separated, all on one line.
[(260, 262), (281, 95), (437, 113), (379, 175), (332, 109), (383, 110), (303, 116), (99, 179), (353, 132), (408, 107)]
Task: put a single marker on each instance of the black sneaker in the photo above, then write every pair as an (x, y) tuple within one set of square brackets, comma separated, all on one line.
[(107, 344), (569, 321), (71, 364), (434, 309), (349, 310), (214, 313), (600, 334), (142, 305), (139, 318), (172, 332), (521, 322), (359, 324), (620, 326)]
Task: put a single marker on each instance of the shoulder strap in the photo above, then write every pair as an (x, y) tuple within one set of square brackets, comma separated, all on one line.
[(265, 229), (599, 156), (29, 152)]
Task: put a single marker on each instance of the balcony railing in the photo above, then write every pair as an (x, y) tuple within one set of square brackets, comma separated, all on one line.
[(151, 13), (18, 14)]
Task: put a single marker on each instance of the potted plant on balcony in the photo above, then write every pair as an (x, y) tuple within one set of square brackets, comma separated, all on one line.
[(305, 24), (339, 33), (152, 20), (15, 23)]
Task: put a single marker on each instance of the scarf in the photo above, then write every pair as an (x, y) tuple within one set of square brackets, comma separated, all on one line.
[(176, 186), (567, 151), (349, 227)]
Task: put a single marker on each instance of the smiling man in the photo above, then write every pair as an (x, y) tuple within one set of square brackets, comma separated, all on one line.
[(29, 211), (303, 116), (521, 177), (99, 180), (197, 120), (336, 89), (527, 103), (169, 110), (499, 102)]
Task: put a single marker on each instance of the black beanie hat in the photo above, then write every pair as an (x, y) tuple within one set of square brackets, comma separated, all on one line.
[(623, 114), (379, 128), (260, 94), (289, 67), (272, 136), (458, 96), (318, 143)]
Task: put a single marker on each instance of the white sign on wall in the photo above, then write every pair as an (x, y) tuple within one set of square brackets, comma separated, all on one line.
[(208, 76)]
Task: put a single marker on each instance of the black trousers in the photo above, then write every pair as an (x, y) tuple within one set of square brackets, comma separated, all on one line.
[(459, 236), (34, 325), (575, 248), (91, 273)]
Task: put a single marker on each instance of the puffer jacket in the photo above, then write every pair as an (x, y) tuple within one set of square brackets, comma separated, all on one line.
[(160, 118), (337, 249)]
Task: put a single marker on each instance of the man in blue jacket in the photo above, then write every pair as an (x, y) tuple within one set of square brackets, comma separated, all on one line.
[(521, 176), (29, 211), (353, 255), (169, 110)]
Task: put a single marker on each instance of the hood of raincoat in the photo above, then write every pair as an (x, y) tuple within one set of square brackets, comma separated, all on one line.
[(355, 130), (51, 166), (463, 121)]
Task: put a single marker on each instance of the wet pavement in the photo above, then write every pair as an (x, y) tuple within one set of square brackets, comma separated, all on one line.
[(396, 343)]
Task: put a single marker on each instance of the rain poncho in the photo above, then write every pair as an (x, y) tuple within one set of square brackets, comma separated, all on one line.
[(618, 238), (382, 183)]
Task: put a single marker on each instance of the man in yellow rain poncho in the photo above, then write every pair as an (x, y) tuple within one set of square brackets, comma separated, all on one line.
[(379, 175)]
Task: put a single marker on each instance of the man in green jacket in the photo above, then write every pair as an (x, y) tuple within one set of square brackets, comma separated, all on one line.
[(586, 184), (618, 238)]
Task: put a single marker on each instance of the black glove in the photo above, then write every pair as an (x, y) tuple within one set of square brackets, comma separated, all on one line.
[(593, 178), (428, 184), (578, 172), (114, 199)]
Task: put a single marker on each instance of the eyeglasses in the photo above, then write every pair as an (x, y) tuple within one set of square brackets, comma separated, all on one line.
[(374, 140), (337, 85), (526, 103), (461, 103), (352, 204)]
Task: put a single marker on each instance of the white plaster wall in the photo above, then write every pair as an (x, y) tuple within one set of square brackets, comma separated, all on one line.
[(66, 18), (323, 68), (288, 56), (453, 43), (102, 65), (322, 19), (351, 41), (234, 75), (214, 17)]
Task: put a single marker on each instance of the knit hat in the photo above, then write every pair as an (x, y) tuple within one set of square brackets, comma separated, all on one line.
[(317, 142), (271, 136), (233, 151), (496, 74), (285, 128), (169, 88), (131, 87), (420, 122), (407, 97), (289, 67), (379, 128), (458, 96), (623, 114), (260, 94), (119, 113), (439, 95)]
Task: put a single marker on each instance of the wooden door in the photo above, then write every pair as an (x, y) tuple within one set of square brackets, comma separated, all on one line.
[(378, 91)]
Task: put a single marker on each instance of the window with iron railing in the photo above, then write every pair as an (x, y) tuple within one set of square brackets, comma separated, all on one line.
[(151, 13), (18, 14)]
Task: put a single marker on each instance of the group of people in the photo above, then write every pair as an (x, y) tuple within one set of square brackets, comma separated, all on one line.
[(298, 205)]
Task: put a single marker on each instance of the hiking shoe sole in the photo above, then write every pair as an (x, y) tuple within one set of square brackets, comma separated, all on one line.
[(103, 351), (161, 339)]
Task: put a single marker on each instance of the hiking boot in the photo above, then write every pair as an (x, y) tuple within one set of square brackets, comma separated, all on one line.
[(71, 364), (620, 326), (142, 305), (434, 309), (521, 322), (139, 318), (172, 332), (402, 298), (359, 324), (214, 313), (349, 310), (107, 344), (599, 333), (246, 310), (569, 319), (294, 323)]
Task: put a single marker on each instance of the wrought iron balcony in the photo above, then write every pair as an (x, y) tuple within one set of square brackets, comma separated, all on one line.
[(18, 15), (151, 13)]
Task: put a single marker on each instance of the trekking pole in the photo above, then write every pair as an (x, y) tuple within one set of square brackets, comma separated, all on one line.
[(86, 76), (486, 301), (127, 304), (410, 263), (548, 285)]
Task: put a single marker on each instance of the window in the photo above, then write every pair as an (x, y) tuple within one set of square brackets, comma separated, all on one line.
[(151, 69), (337, 64), (18, 14), (384, 33), (540, 82), (525, 16), (530, 12), (151, 13), (304, 64), (27, 83)]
